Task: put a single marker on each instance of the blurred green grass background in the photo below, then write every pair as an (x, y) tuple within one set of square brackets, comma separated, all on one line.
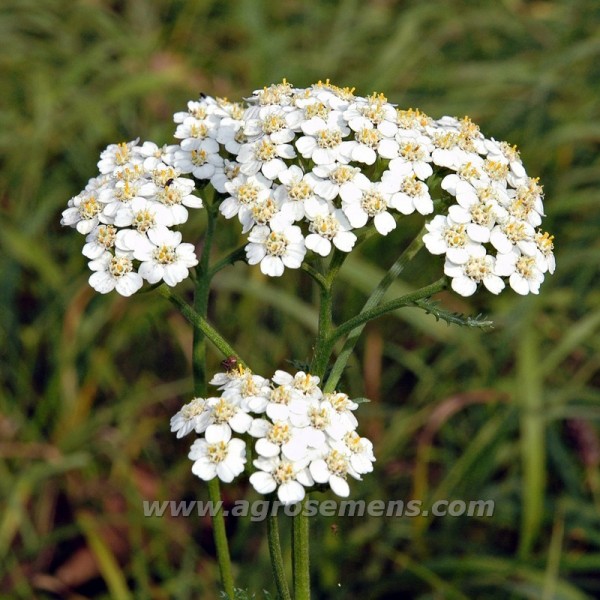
[(510, 415)]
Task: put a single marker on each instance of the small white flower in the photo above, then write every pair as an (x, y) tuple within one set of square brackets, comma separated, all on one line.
[(332, 469), (407, 192), (342, 418), (544, 254), (250, 391), (193, 416), (513, 233), (142, 215), (276, 248), (224, 459), (282, 438), (323, 141), (245, 192), (163, 256), (333, 178), (225, 416), (116, 155), (525, 273), (287, 477), (360, 451), (479, 209), (296, 197), (447, 237), (265, 156), (305, 383), (362, 200), (330, 229), (414, 153), (84, 212), (477, 269), (98, 241), (199, 157), (114, 272)]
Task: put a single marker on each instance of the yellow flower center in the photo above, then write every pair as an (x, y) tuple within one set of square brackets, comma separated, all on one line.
[(107, 235), (280, 395), (353, 441), (299, 191), (143, 220), (496, 170), (273, 124), (373, 203), (89, 208), (280, 433), (199, 131), (411, 151), (164, 255), (455, 236), (262, 213), (544, 242), (199, 157), (276, 244), (342, 174), (194, 408), (265, 151), (318, 109), (318, 417), (119, 266), (284, 472), (326, 227), (368, 137), (329, 138), (337, 463), (477, 268), (223, 411), (217, 452), (525, 266), (412, 187)]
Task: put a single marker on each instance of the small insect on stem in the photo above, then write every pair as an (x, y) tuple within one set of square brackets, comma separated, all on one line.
[(168, 182), (229, 363)]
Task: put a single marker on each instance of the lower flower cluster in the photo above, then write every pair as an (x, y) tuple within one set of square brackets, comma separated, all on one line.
[(302, 437)]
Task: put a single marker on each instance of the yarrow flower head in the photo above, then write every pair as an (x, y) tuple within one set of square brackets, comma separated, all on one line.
[(304, 169), (300, 436), (126, 214)]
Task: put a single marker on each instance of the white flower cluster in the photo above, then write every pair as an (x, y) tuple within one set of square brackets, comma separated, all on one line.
[(302, 168), (126, 214), (303, 437)]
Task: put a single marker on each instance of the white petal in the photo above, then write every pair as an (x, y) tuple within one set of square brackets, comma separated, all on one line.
[(205, 469), (464, 286), (339, 486), (263, 482), (290, 492), (384, 223), (319, 471)]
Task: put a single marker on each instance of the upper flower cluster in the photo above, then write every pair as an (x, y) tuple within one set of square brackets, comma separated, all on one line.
[(302, 436), (126, 214), (302, 169)]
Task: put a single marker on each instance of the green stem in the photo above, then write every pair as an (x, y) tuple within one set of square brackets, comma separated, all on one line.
[(201, 297), (374, 299), (355, 326), (364, 317), (321, 354), (276, 558), (231, 258), (199, 321), (220, 537), (300, 546)]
